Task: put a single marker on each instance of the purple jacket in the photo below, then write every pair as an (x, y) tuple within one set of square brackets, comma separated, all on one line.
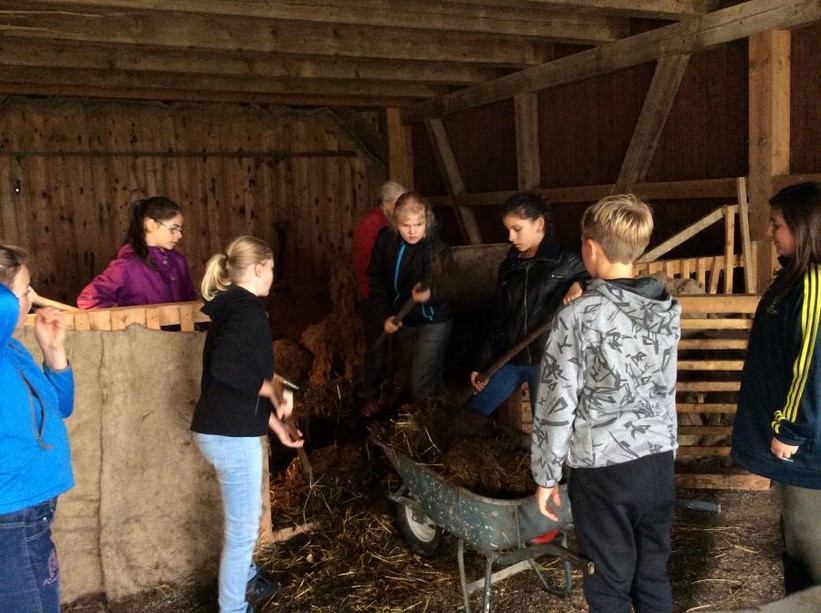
[(128, 281)]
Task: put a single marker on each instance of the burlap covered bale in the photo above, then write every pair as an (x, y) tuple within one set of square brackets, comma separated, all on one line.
[(146, 508)]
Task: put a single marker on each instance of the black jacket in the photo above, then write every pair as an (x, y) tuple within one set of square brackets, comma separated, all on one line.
[(528, 291), (238, 356), (396, 267), (781, 386)]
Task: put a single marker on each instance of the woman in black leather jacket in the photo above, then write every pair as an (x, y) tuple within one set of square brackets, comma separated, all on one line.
[(535, 278)]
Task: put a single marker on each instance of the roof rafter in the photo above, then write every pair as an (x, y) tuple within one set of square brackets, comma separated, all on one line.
[(564, 26), (688, 36)]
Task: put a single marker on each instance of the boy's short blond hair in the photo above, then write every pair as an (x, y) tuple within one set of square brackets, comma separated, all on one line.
[(621, 224)]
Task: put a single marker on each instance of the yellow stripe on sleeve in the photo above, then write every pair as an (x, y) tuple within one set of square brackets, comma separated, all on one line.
[(810, 318)]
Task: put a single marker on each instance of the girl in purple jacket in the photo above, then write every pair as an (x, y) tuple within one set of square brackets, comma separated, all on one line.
[(148, 269)]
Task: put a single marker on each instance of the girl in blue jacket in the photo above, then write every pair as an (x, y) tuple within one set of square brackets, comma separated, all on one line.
[(35, 460), (777, 431)]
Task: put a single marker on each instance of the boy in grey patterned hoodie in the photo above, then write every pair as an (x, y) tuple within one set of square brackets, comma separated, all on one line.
[(606, 408)]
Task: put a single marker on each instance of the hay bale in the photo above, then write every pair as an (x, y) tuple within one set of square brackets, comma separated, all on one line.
[(337, 342), (293, 361)]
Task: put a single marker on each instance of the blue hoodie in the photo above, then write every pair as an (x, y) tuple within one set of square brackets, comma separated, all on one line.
[(35, 459)]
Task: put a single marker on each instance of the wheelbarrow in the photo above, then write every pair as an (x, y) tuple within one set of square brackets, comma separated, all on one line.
[(510, 534)]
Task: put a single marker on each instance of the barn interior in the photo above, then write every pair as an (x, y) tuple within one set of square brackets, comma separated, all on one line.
[(282, 120)]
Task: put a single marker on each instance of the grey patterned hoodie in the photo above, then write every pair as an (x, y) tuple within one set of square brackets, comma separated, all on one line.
[(607, 392)]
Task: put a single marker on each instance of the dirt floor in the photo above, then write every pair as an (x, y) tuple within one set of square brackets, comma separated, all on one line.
[(354, 558)]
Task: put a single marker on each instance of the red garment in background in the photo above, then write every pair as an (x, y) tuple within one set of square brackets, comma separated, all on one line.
[(364, 237)]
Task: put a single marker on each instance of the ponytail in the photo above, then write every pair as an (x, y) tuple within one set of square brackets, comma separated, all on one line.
[(222, 269), (216, 277)]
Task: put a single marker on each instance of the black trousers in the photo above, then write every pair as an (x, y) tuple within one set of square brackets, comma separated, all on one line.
[(622, 516)]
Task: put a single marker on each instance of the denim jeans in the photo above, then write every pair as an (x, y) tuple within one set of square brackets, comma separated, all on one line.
[(29, 572), (423, 352), (502, 384), (238, 462)]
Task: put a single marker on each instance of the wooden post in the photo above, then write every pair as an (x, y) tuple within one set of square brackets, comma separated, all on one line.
[(400, 148), (528, 166), (729, 247), (769, 121), (750, 281)]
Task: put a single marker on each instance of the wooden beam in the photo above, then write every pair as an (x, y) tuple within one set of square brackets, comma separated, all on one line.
[(185, 31), (38, 53), (651, 9), (667, 190), (198, 95), (769, 134), (528, 154), (688, 232), (400, 148), (566, 25), (453, 178), (124, 79), (657, 104), (687, 36)]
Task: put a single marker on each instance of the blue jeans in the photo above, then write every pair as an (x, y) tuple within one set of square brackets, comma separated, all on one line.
[(238, 462), (423, 352), (502, 384), (29, 572)]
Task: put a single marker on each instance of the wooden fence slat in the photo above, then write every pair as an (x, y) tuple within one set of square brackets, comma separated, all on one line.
[(711, 324), (708, 386), (710, 364), (705, 407)]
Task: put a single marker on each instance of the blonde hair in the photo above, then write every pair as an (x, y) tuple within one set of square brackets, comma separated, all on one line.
[(223, 269), (621, 224), (412, 203), (390, 191)]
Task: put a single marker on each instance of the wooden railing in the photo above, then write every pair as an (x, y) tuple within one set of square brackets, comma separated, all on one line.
[(153, 316), (714, 334)]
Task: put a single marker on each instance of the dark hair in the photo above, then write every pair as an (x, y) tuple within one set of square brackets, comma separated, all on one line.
[(11, 259), (529, 205), (158, 208), (800, 205)]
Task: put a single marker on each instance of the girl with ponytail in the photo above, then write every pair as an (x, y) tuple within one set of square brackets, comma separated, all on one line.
[(147, 269), (237, 407)]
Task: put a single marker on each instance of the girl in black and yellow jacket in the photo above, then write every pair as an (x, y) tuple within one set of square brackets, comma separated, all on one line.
[(777, 430)]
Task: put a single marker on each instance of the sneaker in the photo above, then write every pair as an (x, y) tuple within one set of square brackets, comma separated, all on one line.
[(261, 589)]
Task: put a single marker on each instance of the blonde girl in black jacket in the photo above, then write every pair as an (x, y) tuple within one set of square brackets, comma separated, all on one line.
[(237, 407)]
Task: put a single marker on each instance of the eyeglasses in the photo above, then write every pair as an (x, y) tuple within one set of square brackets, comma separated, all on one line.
[(174, 229)]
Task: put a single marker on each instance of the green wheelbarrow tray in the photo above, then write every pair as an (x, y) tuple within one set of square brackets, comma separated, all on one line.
[(502, 530)]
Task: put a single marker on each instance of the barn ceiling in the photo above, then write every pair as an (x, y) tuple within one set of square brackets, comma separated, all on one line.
[(314, 52)]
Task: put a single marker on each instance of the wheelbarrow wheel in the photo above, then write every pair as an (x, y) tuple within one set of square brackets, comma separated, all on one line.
[(424, 537)]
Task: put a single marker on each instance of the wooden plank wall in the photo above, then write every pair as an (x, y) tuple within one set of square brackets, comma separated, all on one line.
[(70, 169)]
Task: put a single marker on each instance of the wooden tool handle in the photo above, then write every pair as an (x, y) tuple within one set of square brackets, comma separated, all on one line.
[(48, 302), (280, 384)]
